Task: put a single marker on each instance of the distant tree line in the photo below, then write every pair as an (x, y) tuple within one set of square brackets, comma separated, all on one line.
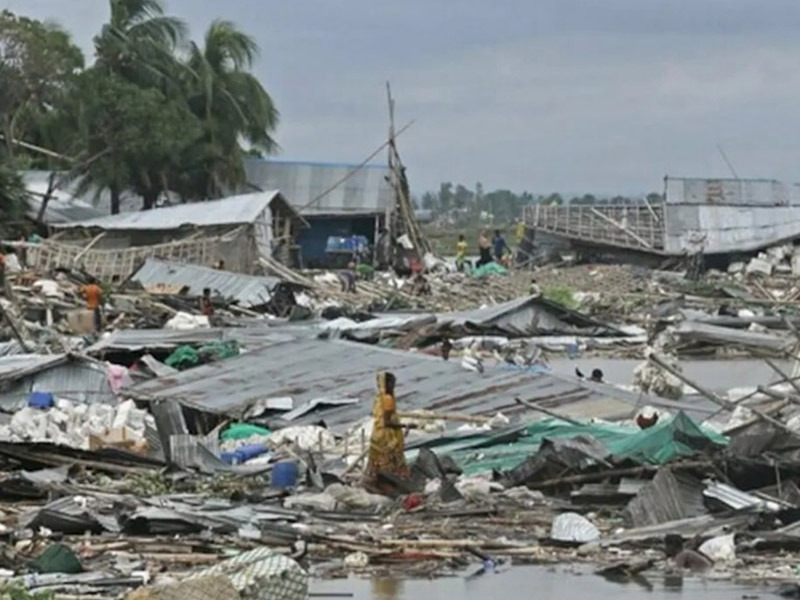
[(460, 203)]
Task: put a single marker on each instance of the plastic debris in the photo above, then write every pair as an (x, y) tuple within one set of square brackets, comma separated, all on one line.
[(720, 549), (186, 322), (356, 560), (572, 527)]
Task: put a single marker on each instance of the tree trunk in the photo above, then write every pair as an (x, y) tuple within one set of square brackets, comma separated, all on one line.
[(115, 198), (51, 186), (149, 199)]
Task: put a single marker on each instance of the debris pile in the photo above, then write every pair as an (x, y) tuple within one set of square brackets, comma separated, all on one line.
[(216, 431)]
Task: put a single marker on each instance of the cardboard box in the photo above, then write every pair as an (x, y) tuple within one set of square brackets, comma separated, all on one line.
[(81, 321), (120, 438)]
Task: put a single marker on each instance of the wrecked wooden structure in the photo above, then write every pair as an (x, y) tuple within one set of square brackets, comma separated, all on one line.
[(240, 231), (708, 216)]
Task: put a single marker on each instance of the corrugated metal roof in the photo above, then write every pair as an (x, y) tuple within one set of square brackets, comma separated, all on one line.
[(310, 369), (63, 206), (731, 192), (737, 499), (247, 290), (236, 210), (134, 340), (75, 378), (21, 365), (10, 348), (61, 211), (366, 191), (528, 314), (670, 496)]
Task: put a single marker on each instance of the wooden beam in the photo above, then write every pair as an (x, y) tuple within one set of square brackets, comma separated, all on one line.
[(89, 246), (621, 227)]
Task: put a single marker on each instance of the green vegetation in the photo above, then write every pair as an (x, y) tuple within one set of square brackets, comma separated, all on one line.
[(15, 592), (12, 194), (156, 113), (467, 208), (561, 294)]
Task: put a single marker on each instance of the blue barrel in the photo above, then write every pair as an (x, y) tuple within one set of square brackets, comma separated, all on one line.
[(284, 474)]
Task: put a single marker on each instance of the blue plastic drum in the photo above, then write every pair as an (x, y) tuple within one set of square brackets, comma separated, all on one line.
[(284, 474)]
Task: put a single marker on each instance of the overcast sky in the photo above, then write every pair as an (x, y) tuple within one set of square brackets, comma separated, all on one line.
[(605, 96)]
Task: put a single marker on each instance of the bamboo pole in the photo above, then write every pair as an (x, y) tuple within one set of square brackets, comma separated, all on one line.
[(729, 406), (545, 411), (786, 378)]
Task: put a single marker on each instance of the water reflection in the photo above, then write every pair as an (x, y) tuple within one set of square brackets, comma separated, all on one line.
[(673, 582), (557, 583), (387, 589)]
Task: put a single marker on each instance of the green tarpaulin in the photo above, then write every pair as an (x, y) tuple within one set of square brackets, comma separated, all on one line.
[(242, 431), (676, 437), (186, 356), (491, 268)]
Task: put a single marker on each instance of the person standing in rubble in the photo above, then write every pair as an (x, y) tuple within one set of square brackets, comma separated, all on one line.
[(500, 247), (348, 278), (387, 444), (206, 307), (94, 297), (485, 250), (461, 253)]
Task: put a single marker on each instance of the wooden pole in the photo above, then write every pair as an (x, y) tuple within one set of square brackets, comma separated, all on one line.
[(545, 411), (424, 415), (785, 377), (730, 407)]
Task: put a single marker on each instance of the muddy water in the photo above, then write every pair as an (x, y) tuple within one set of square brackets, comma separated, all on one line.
[(718, 375), (526, 583)]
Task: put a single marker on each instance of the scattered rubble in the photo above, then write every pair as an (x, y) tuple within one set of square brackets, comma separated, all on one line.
[(181, 450)]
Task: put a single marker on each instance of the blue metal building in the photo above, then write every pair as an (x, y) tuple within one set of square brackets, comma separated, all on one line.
[(335, 199)]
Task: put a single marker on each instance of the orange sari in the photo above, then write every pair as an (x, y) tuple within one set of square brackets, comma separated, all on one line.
[(387, 444)]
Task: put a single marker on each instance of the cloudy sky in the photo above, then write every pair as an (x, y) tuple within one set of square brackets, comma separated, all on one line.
[(601, 96)]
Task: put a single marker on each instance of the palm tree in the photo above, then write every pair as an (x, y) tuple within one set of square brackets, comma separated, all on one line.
[(231, 103), (139, 42)]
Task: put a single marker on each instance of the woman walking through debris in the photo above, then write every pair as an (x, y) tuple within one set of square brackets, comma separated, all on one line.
[(386, 447)]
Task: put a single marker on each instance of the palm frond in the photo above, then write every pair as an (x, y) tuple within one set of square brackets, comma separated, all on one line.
[(226, 47)]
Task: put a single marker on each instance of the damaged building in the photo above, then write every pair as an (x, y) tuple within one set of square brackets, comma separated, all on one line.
[(707, 216), (335, 200), (240, 231)]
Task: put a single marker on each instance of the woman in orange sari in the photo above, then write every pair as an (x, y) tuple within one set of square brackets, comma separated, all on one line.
[(387, 444)]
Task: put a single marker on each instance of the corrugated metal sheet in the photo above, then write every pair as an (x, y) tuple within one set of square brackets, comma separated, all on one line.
[(695, 331), (73, 378), (723, 229), (528, 315), (236, 210), (670, 496), (63, 206), (366, 191), (247, 290), (134, 340), (737, 499), (732, 192), (10, 348), (310, 369), (730, 215), (22, 365)]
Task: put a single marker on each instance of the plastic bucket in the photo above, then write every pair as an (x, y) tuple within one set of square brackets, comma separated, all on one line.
[(284, 474)]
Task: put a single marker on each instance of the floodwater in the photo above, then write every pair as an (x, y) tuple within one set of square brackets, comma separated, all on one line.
[(717, 375), (526, 583)]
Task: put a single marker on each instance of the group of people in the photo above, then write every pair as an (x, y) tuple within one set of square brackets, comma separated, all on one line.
[(494, 250)]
